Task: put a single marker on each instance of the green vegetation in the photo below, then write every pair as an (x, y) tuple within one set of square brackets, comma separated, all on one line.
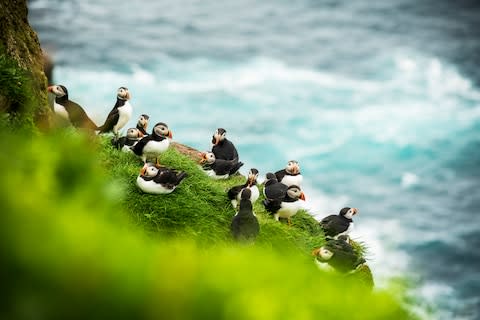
[(69, 247)]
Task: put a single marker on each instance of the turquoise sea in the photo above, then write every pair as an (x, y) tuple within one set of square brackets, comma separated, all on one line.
[(378, 101)]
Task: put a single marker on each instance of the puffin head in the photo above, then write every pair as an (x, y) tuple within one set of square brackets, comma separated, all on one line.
[(161, 129), (134, 133), (348, 212), (207, 157), (295, 192), (58, 90), (292, 167), (148, 171), (323, 253), (252, 177), (218, 136), (143, 121), (123, 93)]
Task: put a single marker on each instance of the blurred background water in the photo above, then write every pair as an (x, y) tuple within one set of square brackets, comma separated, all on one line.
[(378, 101)]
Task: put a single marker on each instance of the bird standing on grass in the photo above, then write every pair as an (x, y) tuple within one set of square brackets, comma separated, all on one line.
[(284, 205), (251, 183), (120, 114), (338, 224), (244, 226), (153, 145)]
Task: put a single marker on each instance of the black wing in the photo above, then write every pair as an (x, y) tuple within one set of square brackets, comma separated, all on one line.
[(138, 147), (280, 174), (78, 117), (111, 120), (333, 225), (272, 206), (234, 191), (275, 191), (222, 167)]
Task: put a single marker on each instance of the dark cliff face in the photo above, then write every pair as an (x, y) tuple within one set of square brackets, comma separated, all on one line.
[(22, 80)]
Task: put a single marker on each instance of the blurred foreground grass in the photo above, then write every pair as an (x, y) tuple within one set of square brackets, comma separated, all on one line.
[(69, 248)]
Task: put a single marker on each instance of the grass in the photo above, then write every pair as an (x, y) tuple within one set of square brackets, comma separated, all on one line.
[(69, 248), (199, 207)]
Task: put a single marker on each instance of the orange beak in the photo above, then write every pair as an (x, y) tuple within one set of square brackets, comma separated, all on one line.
[(50, 89), (355, 211), (302, 196), (127, 96), (140, 134), (143, 170), (315, 252), (204, 157), (170, 135), (217, 140)]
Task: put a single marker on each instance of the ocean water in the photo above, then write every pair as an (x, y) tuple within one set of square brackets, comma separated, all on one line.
[(379, 102)]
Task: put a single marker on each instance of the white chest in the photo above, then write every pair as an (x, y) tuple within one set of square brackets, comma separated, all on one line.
[(254, 196), (125, 113), (60, 111), (293, 180), (288, 209), (155, 148)]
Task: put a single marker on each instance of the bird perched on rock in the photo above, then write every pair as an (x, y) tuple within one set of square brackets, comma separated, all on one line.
[(142, 124), (338, 224), (222, 147), (251, 183), (339, 255), (244, 226), (218, 168), (284, 206), (120, 114), (291, 174), (125, 143), (70, 111), (153, 145), (159, 180)]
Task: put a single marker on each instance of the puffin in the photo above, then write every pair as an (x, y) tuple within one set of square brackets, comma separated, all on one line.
[(120, 114), (218, 168), (272, 189), (142, 124), (154, 144), (339, 255), (125, 143), (286, 205), (338, 224), (291, 174), (70, 111), (244, 226), (251, 183), (222, 147), (160, 180)]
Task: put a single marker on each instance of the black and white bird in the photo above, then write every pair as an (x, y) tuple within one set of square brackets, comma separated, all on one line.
[(338, 224), (222, 147), (339, 255), (286, 205), (244, 226), (251, 183), (142, 124), (120, 114), (218, 168), (272, 189), (69, 111), (153, 145), (125, 143), (291, 174), (159, 180)]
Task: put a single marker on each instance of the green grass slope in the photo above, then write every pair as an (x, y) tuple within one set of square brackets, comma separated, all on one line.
[(69, 250), (199, 207)]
